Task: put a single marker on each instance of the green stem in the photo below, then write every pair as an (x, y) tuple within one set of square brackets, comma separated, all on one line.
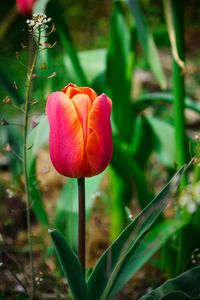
[(196, 173), (27, 101), (179, 87), (179, 104), (81, 222)]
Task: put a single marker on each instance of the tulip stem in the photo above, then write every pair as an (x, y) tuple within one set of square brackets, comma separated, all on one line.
[(81, 222)]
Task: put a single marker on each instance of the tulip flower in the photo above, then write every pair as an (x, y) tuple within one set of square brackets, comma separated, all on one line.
[(80, 131), (25, 7)]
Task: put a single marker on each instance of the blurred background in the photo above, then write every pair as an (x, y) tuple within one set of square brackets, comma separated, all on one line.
[(121, 48)]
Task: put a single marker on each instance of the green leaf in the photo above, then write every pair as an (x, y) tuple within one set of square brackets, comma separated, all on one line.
[(36, 196), (143, 141), (183, 287), (8, 85), (102, 282), (151, 243), (70, 265), (163, 133), (132, 174), (71, 59), (93, 62), (117, 201), (147, 42), (14, 295), (66, 213), (72, 64), (150, 99), (12, 135), (40, 6), (37, 137), (119, 71)]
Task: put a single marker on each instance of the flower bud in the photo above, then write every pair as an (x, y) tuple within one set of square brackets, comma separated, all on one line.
[(25, 7), (80, 131)]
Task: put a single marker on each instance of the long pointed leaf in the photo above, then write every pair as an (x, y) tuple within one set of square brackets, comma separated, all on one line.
[(70, 265), (147, 43), (37, 137), (72, 62), (58, 16), (151, 243), (131, 173), (111, 263), (163, 133), (119, 71), (183, 287), (150, 99)]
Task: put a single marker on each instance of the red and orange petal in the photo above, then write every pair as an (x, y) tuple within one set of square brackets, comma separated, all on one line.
[(82, 104), (99, 146), (71, 90), (66, 136), (70, 85), (90, 92)]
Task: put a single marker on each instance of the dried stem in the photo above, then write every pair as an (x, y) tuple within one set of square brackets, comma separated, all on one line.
[(27, 103)]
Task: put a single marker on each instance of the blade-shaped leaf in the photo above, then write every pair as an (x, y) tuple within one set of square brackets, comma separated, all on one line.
[(12, 135), (183, 287), (147, 42), (72, 62), (104, 276), (143, 136), (40, 6), (151, 243), (163, 133), (93, 62), (70, 265), (119, 71), (14, 295), (37, 137), (150, 99), (131, 173), (7, 84), (58, 16), (36, 196), (118, 195)]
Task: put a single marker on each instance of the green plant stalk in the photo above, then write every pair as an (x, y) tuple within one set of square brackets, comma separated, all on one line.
[(179, 105), (117, 194), (179, 87), (26, 110), (196, 173), (81, 222)]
